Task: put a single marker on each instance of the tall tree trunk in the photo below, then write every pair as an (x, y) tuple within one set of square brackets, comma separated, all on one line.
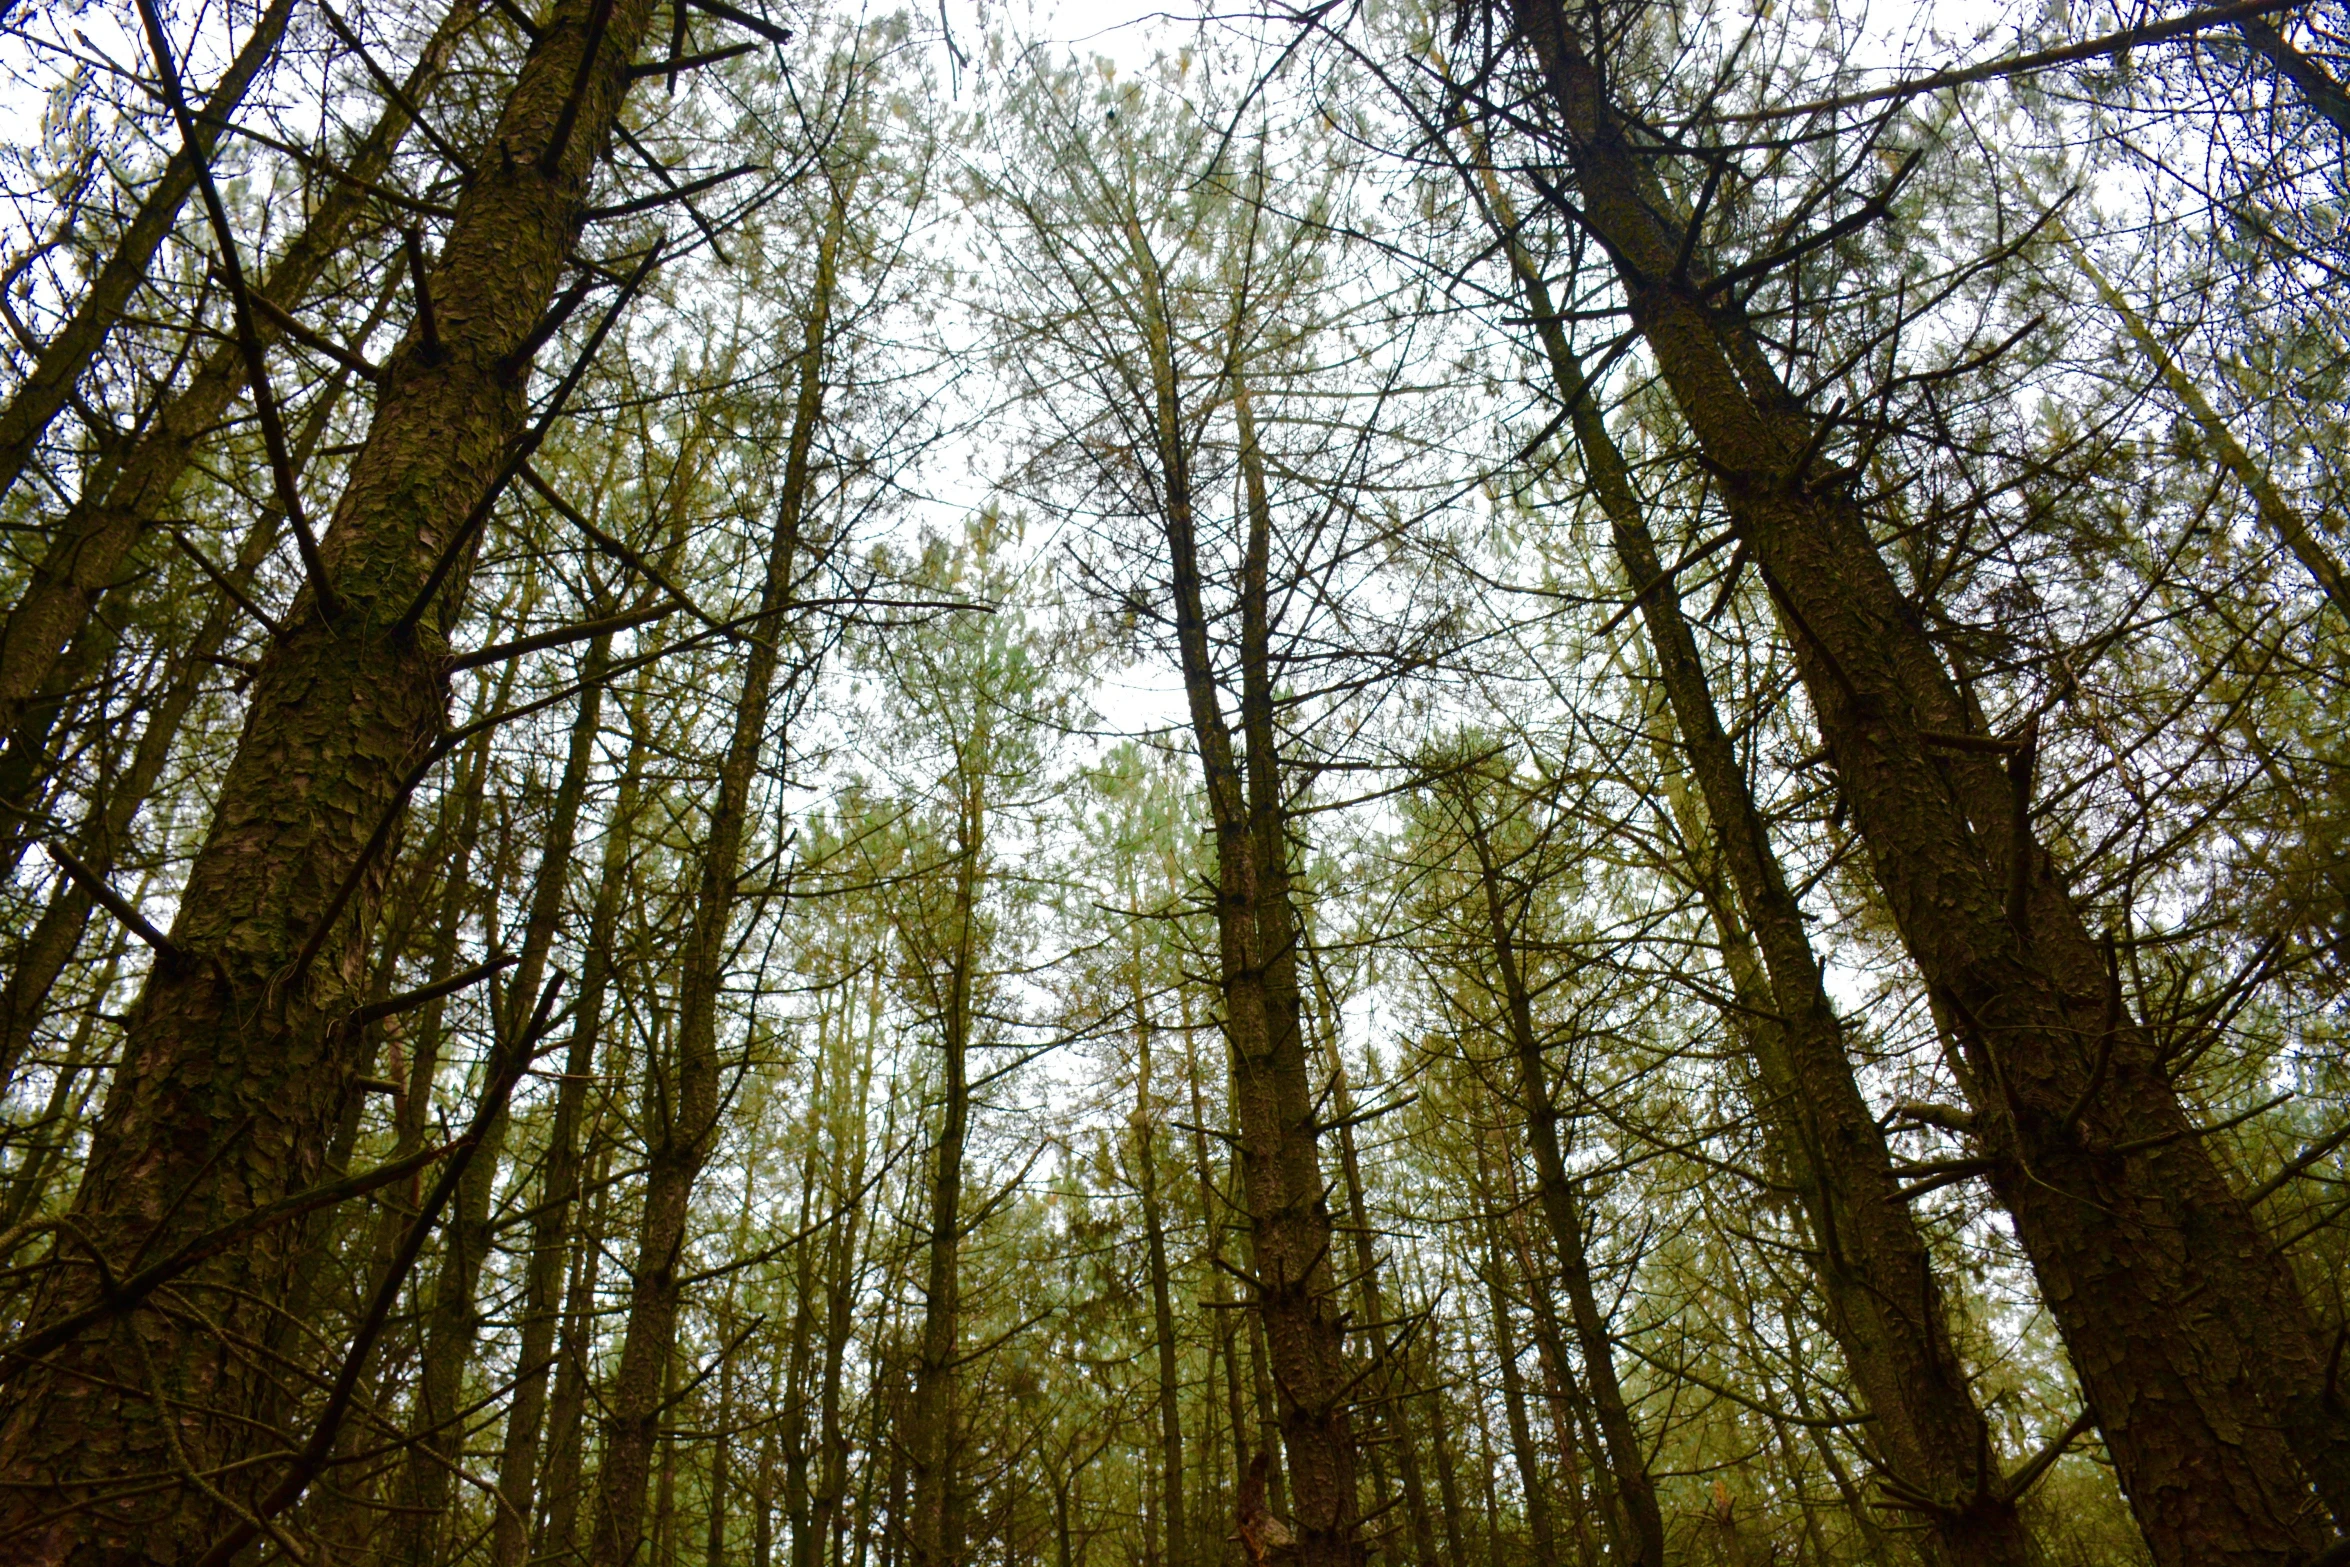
[(1212, 1262), (799, 1390), (828, 1515), (1532, 1485), (1562, 1210), (933, 1416), (1144, 1123), (1448, 1476), (567, 1426), (1562, 1399), (2190, 1336), (1885, 1301), (1394, 1376), (1273, 1097), (57, 369), (688, 1128), (236, 1064), (551, 1237), (87, 549)]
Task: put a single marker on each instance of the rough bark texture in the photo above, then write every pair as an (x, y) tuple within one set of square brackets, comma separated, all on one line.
[(90, 544), (49, 385), (1274, 1092), (234, 1067), (2189, 1335), (1884, 1301)]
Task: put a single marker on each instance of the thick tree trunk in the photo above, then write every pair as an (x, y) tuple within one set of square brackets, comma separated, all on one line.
[(1885, 1302), (1258, 930), (2189, 1334), (87, 549), (57, 369), (235, 1065)]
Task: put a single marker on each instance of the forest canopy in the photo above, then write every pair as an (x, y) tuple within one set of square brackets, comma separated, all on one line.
[(1342, 781)]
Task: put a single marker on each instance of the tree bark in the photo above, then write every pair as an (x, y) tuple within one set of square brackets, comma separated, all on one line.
[(2190, 1336), (1273, 1096), (87, 550), (827, 1514), (57, 369), (235, 1066), (1885, 1301)]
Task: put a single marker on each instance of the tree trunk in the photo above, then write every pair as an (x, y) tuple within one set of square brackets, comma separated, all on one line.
[(1562, 1209), (1273, 1096), (689, 1127), (2190, 1337), (799, 1389), (1212, 1264), (236, 1065), (1146, 1168), (566, 1487), (1885, 1302), (551, 1240), (1448, 1482), (1535, 1489), (827, 1515), (933, 1419), (89, 545), (1394, 1376), (57, 369)]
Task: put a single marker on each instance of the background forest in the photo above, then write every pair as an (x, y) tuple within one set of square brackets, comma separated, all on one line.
[(1528, 783)]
